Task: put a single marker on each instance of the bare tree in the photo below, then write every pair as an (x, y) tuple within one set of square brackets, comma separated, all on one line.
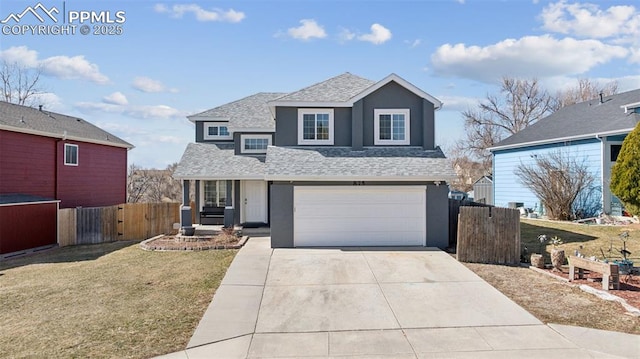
[(585, 90), (557, 179), (152, 185), (20, 85), (467, 169), (519, 104), (137, 184)]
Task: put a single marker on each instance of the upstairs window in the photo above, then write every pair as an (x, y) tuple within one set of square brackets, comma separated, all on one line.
[(255, 143), (315, 127), (391, 126), (216, 131), (70, 154)]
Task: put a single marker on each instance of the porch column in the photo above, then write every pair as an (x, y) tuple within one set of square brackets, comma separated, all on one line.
[(185, 210), (228, 206), (197, 209)]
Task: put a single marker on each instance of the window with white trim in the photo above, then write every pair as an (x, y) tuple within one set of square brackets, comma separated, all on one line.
[(70, 154), (391, 126), (315, 126), (215, 193), (216, 131), (254, 143)]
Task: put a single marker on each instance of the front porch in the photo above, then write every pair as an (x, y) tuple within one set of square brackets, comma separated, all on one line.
[(228, 202)]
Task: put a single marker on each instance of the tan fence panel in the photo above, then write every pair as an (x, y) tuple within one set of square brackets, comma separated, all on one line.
[(66, 227), (96, 225), (145, 220), (488, 235)]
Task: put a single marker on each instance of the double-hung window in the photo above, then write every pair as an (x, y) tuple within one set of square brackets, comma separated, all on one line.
[(215, 193), (70, 154), (391, 126), (216, 131), (255, 143), (315, 126)]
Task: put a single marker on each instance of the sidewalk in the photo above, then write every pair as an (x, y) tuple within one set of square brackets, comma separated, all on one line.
[(318, 303)]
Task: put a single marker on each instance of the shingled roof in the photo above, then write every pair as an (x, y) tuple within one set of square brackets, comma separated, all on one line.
[(250, 112), (342, 163), (217, 161), (583, 120), (25, 119), (336, 89)]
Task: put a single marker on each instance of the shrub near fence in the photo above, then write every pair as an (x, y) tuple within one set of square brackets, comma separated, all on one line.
[(489, 235), (129, 221)]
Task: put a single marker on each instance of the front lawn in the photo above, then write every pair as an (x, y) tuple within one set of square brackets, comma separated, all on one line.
[(105, 301), (555, 301), (590, 240)]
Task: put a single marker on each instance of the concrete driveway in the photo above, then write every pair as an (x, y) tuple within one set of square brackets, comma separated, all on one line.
[(376, 302)]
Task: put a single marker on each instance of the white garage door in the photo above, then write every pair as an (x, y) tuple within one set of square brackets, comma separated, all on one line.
[(359, 216)]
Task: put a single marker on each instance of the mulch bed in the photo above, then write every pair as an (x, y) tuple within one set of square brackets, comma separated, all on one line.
[(629, 284), (193, 243)]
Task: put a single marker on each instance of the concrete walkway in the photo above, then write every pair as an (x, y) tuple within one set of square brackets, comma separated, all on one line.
[(376, 303)]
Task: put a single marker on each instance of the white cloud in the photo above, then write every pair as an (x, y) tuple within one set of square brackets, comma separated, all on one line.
[(458, 103), (201, 14), (308, 30), (378, 35), (62, 67), (588, 20), (345, 35), (146, 84), (116, 98), (413, 44), (73, 68), (20, 55), (49, 101), (530, 56), (139, 111), (635, 55)]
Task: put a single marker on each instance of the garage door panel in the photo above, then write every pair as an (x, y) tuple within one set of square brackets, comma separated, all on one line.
[(354, 211), (359, 216), (336, 224), (318, 239)]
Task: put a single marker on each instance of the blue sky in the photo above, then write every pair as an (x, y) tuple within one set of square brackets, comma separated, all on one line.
[(176, 58)]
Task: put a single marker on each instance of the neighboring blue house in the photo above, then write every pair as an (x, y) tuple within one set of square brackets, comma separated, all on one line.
[(592, 131), (345, 162)]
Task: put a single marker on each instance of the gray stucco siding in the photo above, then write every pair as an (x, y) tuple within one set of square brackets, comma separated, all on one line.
[(282, 216), (390, 96), (287, 126), (281, 211)]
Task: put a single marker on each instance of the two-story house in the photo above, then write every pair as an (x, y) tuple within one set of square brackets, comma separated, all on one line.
[(344, 162)]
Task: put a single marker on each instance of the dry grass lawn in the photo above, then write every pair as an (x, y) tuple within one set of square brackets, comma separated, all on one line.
[(594, 239), (105, 301), (553, 301)]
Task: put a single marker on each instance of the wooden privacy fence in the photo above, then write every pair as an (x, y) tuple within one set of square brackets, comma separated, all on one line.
[(454, 210), (489, 235), (130, 221)]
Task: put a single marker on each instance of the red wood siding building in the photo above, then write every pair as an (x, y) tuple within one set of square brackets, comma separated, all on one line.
[(27, 223), (32, 158), (60, 161)]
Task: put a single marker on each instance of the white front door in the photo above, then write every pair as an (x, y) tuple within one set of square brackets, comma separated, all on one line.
[(254, 201)]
